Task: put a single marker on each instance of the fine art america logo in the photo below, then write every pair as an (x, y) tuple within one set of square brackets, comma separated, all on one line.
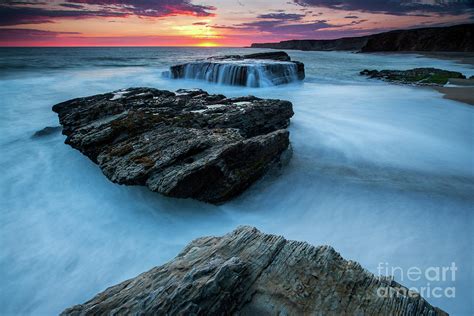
[(431, 280)]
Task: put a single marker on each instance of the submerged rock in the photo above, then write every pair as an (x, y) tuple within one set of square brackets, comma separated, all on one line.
[(247, 272), (48, 130), (187, 144), (419, 76), (254, 70)]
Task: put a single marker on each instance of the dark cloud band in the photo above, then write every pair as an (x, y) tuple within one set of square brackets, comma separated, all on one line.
[(394, 7), (36, 12)]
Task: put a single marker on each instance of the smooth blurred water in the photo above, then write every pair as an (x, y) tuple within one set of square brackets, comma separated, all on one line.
[(383, 173), (241, 72)]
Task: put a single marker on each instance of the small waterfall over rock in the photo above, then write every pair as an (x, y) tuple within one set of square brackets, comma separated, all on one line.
[(257, 70)]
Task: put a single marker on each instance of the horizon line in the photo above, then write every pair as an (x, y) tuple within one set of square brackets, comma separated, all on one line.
[(124, 46)]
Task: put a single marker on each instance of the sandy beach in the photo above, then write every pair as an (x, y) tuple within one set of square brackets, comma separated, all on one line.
[(461, 94), (461, 90)]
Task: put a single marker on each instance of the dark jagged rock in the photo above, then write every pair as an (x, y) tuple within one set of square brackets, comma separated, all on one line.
[(458, 38), (253, 70), (187, 144), (48, 130), (247, 272), (418, 76)]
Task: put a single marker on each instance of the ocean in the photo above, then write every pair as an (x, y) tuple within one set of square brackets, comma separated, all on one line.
[(383, 173)]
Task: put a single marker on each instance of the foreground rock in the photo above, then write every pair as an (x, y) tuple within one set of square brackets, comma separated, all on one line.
[(250, 273), (254, 70), (187, 144), (419, 76)]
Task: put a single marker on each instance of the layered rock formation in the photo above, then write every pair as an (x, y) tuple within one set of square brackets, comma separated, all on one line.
[(187, 144), (254, 70), (247, 272), (418, 76), (458, 38)]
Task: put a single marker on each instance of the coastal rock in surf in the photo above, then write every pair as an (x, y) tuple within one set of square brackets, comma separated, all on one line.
[(418, 76), (254, 70), (48, 130), (187, 144), (247, 272)]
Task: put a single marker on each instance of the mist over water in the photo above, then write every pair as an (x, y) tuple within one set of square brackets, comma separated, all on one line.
[(383, 173)]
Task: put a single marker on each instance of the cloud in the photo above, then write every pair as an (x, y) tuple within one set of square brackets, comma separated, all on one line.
[(12, 15), (32, 2), (285, 25), (400, 7), (351, 17), (153, 8), (72, 5), (280, 28), (11, 35), (282, 16), (35, 12)]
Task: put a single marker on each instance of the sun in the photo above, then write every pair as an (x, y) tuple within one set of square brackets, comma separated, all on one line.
[(207, 44)]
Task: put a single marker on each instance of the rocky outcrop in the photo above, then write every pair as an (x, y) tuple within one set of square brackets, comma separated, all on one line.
[(187, 144), (458, 38), (247, 272), (254, 70), (418, 76)]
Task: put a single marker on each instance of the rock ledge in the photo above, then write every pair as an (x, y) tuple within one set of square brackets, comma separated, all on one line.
[(247, 272), (253, 70), (187, 144)]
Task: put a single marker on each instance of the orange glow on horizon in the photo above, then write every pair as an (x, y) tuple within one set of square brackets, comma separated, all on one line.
[(207, 44)]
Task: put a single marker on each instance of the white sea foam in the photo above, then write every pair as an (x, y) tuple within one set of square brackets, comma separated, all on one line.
[(381, 172), (118, 95)]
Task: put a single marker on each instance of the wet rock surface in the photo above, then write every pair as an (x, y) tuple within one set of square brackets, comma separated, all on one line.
[(48, 130), (418, 76), (247, 272), (187, 144), (253, 70)]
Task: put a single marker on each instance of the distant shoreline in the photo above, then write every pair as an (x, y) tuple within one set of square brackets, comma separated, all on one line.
[(457, 38)]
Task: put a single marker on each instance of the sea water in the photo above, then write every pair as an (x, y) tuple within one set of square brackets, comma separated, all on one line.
[(243, 72), (383, 173)]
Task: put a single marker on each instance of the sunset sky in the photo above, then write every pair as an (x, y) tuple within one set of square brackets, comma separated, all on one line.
[(213, 22)]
